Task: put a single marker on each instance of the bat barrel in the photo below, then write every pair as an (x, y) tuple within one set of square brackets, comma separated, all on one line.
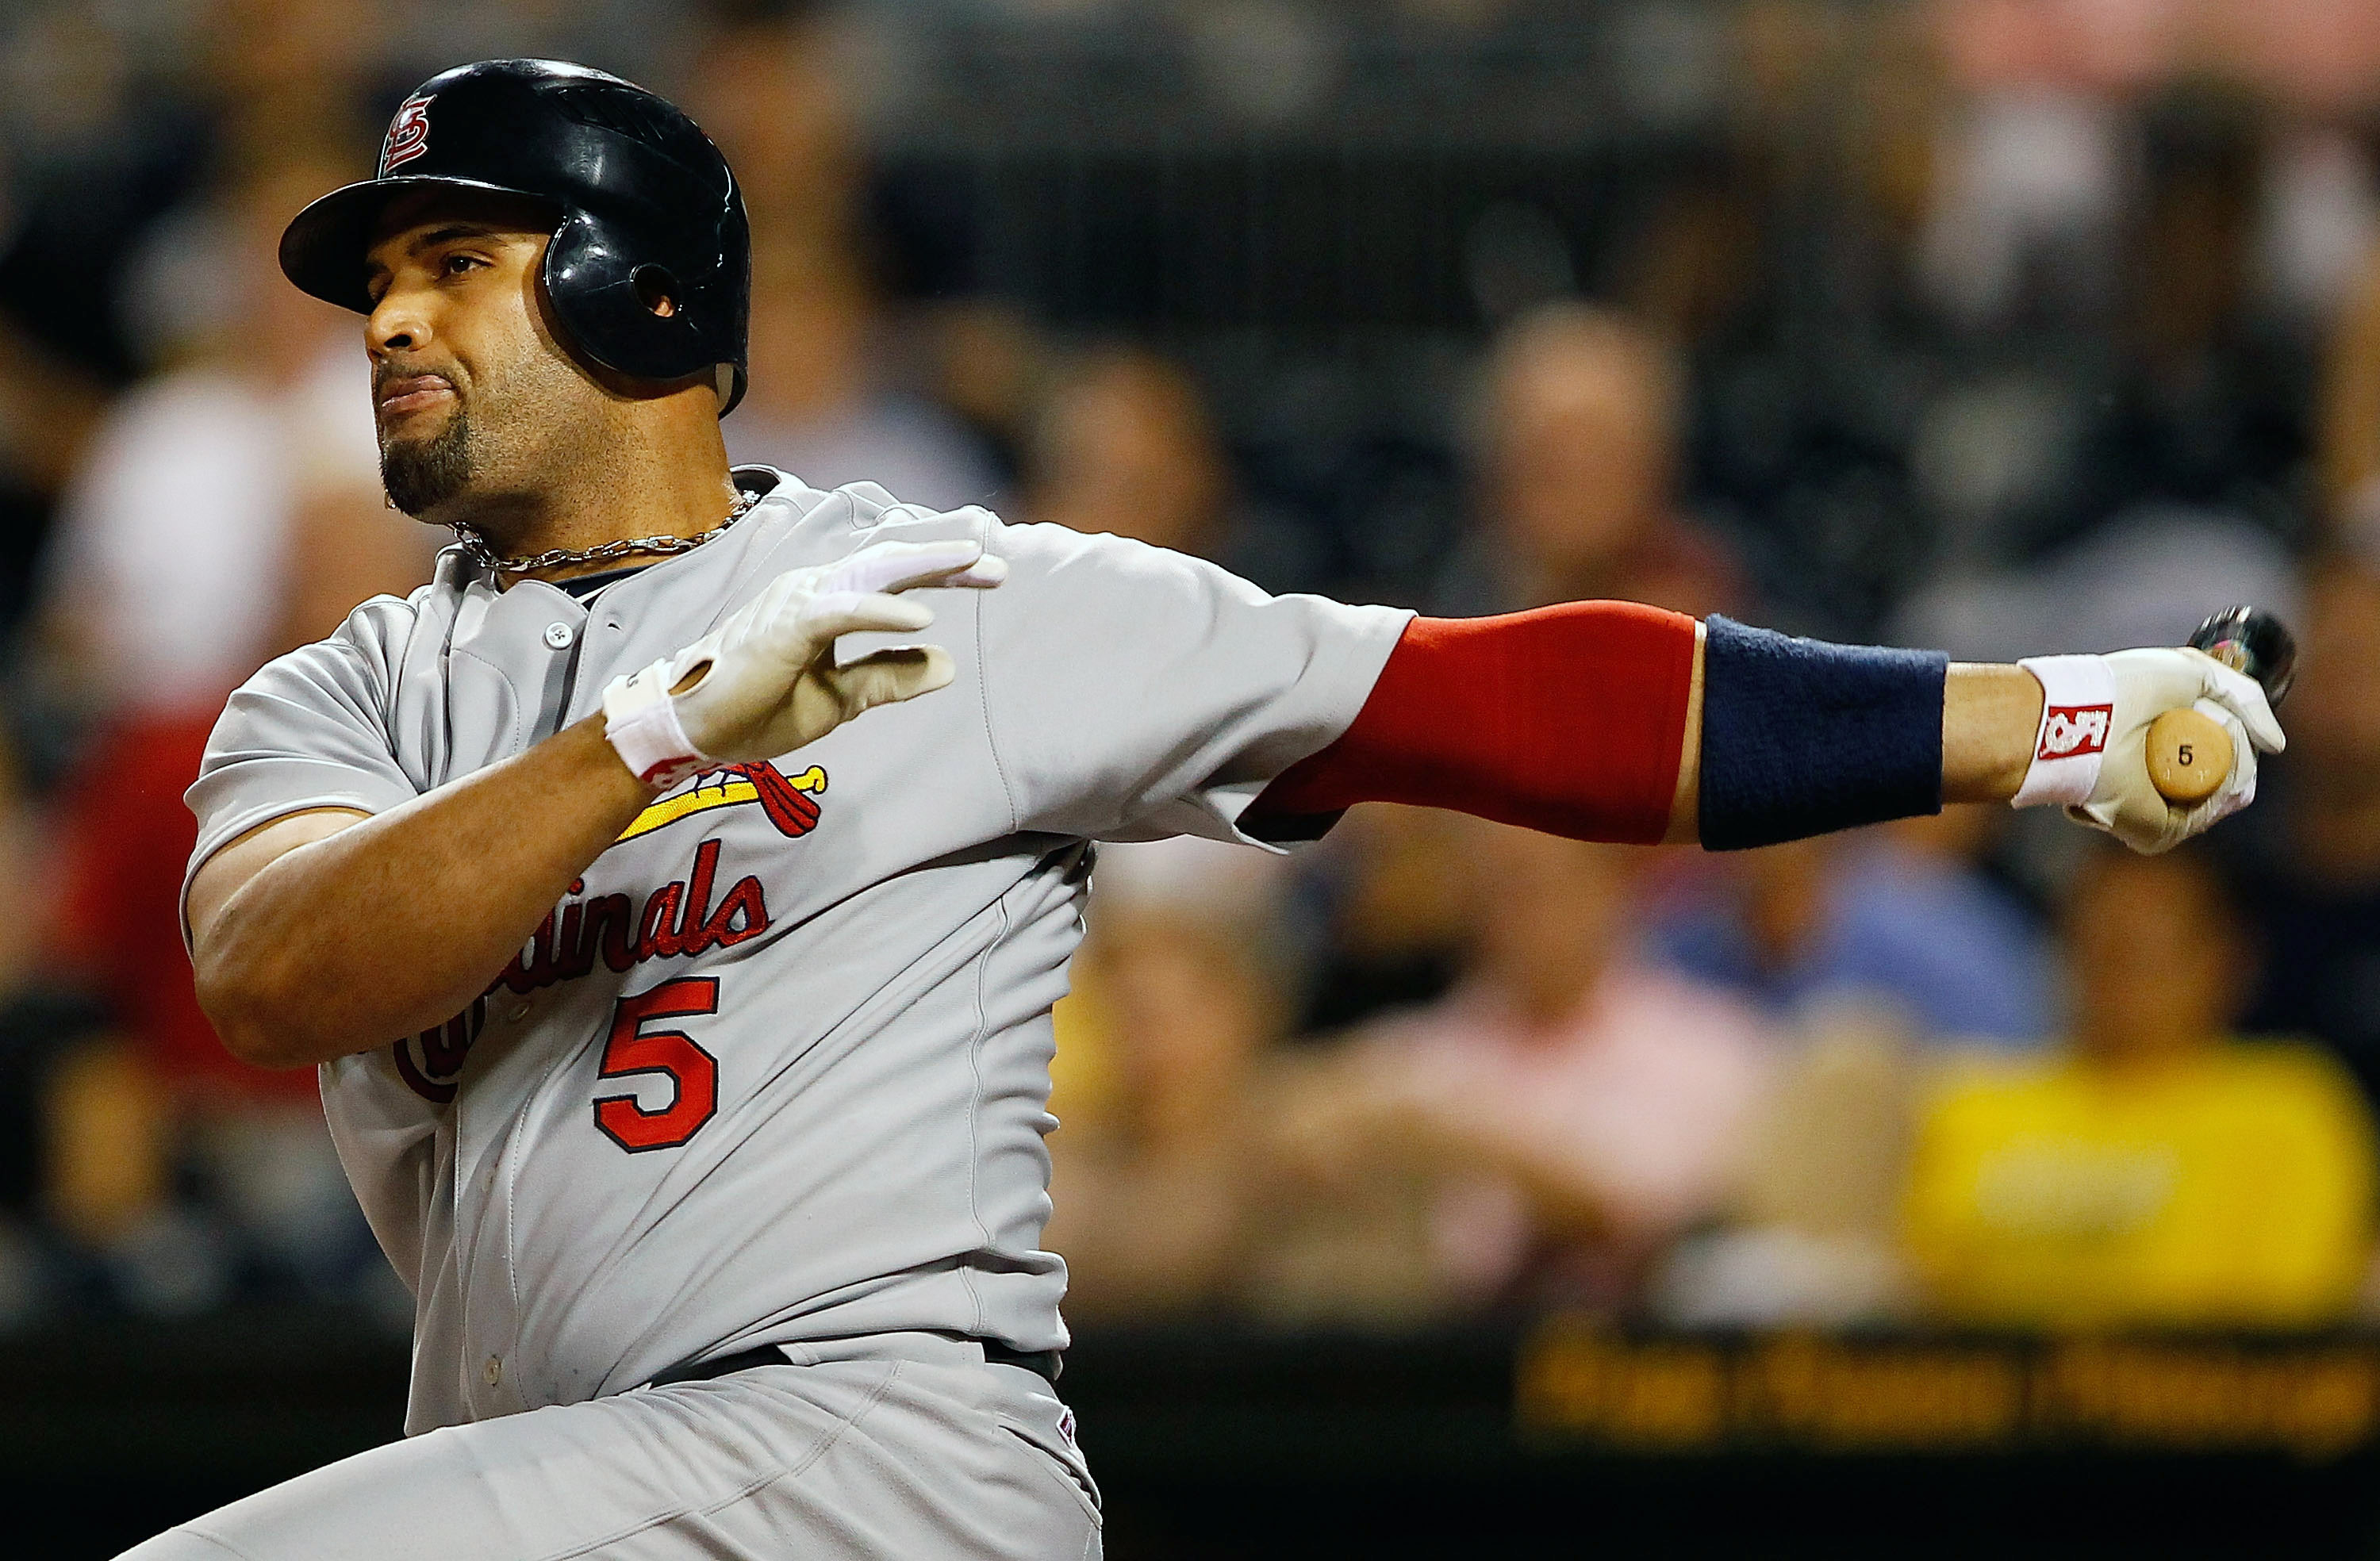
[(2250, 640), (2189, 754)]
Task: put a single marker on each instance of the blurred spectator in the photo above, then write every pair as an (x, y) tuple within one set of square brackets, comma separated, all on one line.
[(1812, 1236), (1578, 450), (2158, 1172), (2310, 851), (1124, 443), (824, 402), (2206, 409), (1568, 1109), (1158, 1182), (1396, 914), (1125, 446), (2320, 222), (195, 543), (283, 75), (87, 161), (2349, 415), (1897, 917), (2027, 200), (985, 359)]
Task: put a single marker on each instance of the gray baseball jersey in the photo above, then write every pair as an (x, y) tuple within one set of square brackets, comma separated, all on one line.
[(777, 1068)]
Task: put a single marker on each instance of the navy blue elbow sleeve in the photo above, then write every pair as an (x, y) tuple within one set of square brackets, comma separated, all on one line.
[(1800, 737)]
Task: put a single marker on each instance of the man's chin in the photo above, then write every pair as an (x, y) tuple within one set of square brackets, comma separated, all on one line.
[(424, 473)]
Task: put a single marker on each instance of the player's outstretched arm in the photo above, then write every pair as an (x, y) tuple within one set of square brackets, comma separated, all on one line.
[(330, 931), (1997, 747), (1989, 715), (1609, 720)]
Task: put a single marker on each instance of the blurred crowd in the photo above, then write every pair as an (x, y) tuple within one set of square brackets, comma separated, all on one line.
[(2001, 326)]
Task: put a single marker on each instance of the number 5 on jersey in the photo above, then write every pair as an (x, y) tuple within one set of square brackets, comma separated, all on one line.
[(632, 1048)]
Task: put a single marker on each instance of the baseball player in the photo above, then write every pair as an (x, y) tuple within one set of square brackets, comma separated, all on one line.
[(721, 918)]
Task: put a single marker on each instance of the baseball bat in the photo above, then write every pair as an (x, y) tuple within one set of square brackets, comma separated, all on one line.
[(2189, 753)]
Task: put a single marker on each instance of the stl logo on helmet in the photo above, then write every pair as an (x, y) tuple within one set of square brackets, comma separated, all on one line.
[(2074, 731), (409, 135)]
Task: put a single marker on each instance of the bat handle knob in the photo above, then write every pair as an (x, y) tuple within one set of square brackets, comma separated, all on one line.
[(2189, 756)]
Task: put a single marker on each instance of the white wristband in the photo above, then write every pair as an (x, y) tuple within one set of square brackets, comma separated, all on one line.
[(2078, 717), (640, 719)]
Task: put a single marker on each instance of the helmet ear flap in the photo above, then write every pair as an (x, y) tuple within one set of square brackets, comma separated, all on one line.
[(630, 316)]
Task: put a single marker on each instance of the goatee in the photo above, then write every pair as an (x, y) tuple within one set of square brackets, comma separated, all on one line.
[(420, 474)]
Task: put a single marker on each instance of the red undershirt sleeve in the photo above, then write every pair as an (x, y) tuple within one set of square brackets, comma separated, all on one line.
[(1567, 719)]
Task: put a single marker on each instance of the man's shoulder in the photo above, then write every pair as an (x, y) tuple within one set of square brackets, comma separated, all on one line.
[(819, 524), (358, 659), (794, 523), (379, 626)]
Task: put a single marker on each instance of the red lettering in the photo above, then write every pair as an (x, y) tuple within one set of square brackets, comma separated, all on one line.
[(438, 1092), (694, 929), (607, 927), (573, 955), (678, 920), (743, 901), (657, 935), (533, 966), (692, 1071), (444, 1048)]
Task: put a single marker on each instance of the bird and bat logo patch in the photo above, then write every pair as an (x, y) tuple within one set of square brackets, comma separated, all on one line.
[(2075, 730), (789, 802)]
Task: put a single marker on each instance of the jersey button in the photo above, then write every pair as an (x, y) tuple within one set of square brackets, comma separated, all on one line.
[(558, 635), (494, 1372)]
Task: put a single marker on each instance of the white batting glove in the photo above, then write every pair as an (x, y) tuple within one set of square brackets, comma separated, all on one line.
[(765, 682), (2090, 754)]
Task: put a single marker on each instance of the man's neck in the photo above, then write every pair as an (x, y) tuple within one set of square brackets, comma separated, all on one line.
[(633, 491)]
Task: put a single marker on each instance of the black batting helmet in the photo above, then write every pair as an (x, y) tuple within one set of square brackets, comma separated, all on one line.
[(643, 207)]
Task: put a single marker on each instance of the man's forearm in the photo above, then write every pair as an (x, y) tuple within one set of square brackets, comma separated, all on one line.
[(1990, 713), (326, 932), (1990, 716), (398, 922)]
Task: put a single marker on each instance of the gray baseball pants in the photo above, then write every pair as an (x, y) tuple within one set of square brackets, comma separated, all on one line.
[(887, 1460)]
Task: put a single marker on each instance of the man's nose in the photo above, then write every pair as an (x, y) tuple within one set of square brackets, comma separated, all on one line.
[(397, 323)]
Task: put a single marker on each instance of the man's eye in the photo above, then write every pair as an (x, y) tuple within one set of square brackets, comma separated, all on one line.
[(454, 265)]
